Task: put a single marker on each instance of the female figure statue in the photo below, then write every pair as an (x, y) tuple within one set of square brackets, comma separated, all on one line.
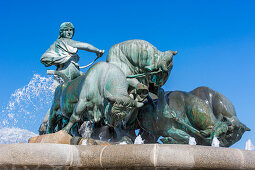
[(63, 52)]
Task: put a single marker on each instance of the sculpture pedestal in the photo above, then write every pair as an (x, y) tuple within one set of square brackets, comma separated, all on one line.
[(150, 156), (58, 137), (62, 137)]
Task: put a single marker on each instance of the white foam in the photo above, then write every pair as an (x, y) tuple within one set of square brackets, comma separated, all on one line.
[(139, 140), (123, 143), (15, 135), (215, 142), (85, 129), (28, 105), (249, 145), (192, 141), (84, 142)]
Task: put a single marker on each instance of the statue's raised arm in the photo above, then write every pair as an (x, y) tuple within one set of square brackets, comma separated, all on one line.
[(63, 52), (85, 46)]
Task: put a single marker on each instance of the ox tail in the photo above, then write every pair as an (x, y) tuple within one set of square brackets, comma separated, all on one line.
[(58, 73)]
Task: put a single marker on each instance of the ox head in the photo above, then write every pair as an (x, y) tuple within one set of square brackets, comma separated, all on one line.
[(166, 61), (165, 65)]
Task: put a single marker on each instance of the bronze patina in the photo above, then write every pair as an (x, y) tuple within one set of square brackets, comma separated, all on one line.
[(117, 97)]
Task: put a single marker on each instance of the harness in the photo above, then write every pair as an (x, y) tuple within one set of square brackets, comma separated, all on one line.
[(143, 74), (89, 63)]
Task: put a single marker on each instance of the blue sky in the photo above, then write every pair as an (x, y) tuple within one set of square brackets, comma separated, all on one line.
[(215, 41)]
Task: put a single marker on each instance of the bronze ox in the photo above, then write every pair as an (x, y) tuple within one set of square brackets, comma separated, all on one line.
[(202, 113), (143, 64), (99, 96)]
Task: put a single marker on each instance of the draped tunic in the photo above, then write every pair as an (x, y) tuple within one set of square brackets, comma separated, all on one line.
[(64, 56)]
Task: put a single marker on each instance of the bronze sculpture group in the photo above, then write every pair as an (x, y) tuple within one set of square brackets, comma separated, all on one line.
[(123, 94)]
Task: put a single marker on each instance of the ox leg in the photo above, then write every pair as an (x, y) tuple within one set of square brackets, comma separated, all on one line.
[(44, 125), (53, 118), (219, 129), (78, 110), (141, 90), (169, 140), (52, 122), (176, 136), (133, 82)]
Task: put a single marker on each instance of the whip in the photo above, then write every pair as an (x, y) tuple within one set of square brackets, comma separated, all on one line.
[(92, 61)]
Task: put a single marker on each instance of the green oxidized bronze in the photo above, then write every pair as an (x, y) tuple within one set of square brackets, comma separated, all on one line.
[(113, 98), (202, 113), (97, 96), (63, 52), (143, 64)]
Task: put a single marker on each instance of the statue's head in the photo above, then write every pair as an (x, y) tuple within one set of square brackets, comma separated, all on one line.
[(66, 30)]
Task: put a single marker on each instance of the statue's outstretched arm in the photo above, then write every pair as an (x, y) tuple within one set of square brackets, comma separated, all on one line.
[(86, 47), (83, 46)]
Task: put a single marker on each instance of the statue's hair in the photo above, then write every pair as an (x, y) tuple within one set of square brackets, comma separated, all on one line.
[(64, 26)]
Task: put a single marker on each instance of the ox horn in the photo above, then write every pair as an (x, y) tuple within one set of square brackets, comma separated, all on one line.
[(174, 52)]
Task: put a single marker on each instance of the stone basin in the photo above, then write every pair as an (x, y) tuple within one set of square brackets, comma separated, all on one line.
[(142, 156)]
